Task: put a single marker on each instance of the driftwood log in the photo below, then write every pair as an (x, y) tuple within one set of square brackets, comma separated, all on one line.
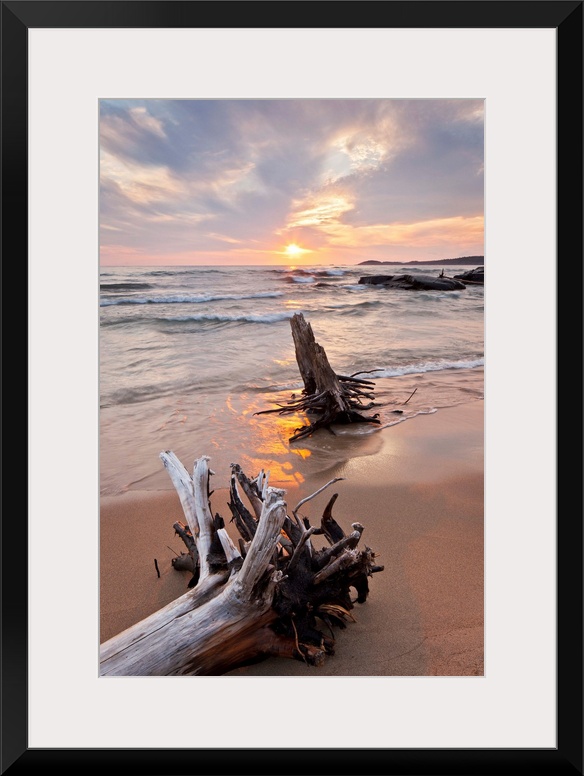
[(331, 397), (274, 595)]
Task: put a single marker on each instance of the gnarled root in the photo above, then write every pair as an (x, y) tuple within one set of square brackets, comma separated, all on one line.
[(271, 595)]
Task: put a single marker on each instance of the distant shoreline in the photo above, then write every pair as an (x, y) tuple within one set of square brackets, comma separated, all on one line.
[(478, 261)]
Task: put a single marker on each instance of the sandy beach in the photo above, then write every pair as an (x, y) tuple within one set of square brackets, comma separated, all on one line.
[(418, 492)]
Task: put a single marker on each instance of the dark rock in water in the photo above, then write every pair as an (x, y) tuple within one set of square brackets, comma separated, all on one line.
[(476, 275), (417, 283), (375, 280)]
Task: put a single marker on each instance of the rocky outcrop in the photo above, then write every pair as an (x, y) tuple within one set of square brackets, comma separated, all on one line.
[(417, 283), (476, 275)]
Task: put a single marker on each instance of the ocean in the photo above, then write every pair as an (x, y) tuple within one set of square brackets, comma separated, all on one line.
[(189, 355)]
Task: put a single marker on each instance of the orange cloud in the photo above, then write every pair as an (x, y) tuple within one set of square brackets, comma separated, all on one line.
[(420, 234), (319, 211)]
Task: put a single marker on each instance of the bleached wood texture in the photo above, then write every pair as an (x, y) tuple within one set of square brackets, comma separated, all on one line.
[(332, 398), (263, 599)]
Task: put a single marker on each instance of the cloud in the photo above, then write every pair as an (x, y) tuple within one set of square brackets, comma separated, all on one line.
[(318, 211), (143, 120), (141, 183), (215, 175), (421, 234)]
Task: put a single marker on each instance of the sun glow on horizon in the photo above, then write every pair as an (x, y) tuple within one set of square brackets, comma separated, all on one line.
[(293, 250)]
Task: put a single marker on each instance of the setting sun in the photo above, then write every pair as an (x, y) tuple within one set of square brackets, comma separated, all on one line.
[(293, 250)]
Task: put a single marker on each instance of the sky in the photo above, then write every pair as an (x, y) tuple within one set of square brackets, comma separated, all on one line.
[(290, 181)]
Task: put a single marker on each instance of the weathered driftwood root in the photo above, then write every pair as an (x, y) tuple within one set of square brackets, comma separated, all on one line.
[(334, 398), (269, 597)]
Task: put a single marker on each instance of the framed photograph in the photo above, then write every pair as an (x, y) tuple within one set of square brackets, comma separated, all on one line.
[(190, 196)]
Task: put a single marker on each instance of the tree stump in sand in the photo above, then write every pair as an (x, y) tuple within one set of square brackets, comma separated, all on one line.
[(268, 597), (334, 398)]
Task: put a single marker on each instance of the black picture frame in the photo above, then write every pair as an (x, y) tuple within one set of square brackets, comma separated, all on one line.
[(18, 16)]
